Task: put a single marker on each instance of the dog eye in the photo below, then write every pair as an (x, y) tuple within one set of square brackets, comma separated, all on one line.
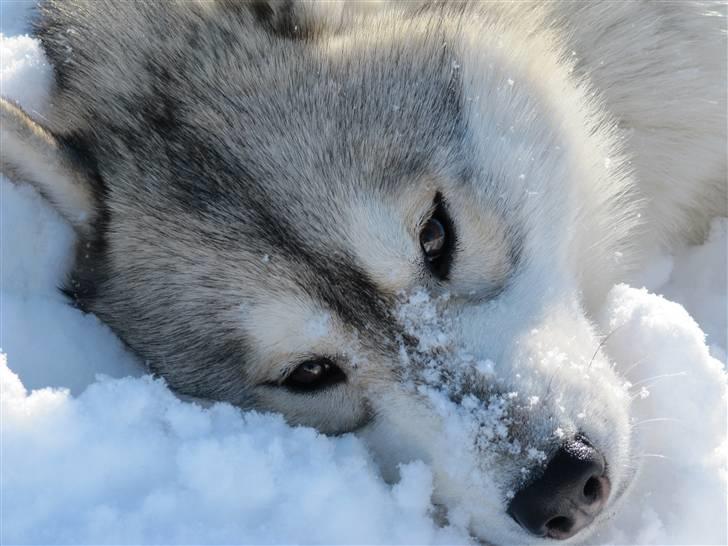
[(437, 240), (313, 375), (432, 238)]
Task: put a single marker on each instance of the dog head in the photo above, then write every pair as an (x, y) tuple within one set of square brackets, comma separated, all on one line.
[(391, 225)]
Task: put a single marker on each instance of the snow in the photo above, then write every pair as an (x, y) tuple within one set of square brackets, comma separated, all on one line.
[(680, 412), (24, 73), (128, 462), (94, 451)]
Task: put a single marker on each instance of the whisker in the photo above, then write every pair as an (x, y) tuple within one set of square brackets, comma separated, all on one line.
[(658, 420), (656, 377), (634, 365), (653, 456), (601, 344)]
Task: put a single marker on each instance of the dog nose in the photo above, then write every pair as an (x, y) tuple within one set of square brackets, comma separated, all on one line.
[(567, 497)]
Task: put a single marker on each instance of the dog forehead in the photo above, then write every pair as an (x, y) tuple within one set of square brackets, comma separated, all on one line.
[(298, 159), (346, 110)]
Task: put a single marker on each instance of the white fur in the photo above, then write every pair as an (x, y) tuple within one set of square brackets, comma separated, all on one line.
[(620, 153)]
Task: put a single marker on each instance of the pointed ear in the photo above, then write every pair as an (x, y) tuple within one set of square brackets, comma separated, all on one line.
[(30, 153)]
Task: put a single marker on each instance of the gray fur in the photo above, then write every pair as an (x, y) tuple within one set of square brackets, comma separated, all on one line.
[(189, 172)]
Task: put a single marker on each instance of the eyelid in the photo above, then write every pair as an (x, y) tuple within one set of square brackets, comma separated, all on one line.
[(294, 362), (287, 369), (428, 213), (437, 201)]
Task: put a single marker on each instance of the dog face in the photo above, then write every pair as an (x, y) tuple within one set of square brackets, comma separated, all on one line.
[(382, 229)]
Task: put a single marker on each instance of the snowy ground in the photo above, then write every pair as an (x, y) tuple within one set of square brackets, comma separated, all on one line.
[(95, 452)]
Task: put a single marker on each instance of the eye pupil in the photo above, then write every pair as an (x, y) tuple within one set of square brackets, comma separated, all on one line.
[(313, 375), (432, 238), (309, 372)]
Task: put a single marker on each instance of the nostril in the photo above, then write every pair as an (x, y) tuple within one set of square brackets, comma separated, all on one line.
[(559, 527), (592, 490)]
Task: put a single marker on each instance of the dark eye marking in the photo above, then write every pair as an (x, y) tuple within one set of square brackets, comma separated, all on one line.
[(313, 375), (437, 240)]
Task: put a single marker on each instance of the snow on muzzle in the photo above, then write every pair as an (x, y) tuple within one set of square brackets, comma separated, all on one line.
[(529, 443)]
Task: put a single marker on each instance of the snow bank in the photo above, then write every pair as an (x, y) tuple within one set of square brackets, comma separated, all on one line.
[(679, 409), (120, 459), (127, 462)]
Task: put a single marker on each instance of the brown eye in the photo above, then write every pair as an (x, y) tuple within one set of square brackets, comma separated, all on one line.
[(437, 240), (314, 375), (432, 238)]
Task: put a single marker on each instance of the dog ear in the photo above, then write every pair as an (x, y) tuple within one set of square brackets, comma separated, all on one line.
[(30, 153)]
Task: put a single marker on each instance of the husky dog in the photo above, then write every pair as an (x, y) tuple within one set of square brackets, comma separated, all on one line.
[(395, 219)]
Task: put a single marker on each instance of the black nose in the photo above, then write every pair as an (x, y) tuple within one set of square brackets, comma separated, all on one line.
[(567, 497)]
